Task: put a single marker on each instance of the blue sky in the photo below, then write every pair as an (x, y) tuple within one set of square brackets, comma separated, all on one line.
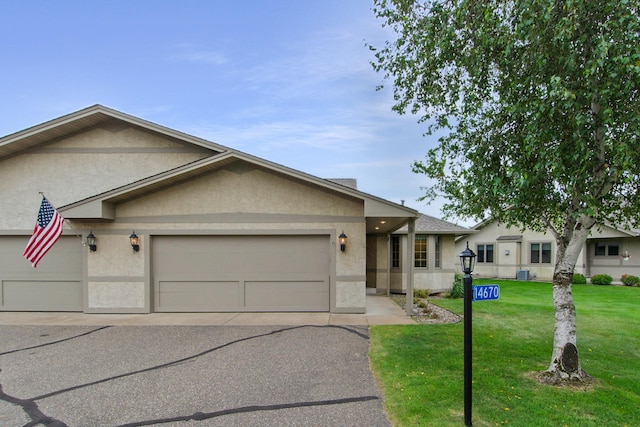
[(285, 80)]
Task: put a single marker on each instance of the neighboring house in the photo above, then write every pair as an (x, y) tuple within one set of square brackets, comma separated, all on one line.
[(219, 230), (433, 262), (512, 253)]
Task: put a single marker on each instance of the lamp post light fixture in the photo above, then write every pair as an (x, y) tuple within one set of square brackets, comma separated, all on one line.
[(467, 260), (135, 242), (342, 238), (91, 242)]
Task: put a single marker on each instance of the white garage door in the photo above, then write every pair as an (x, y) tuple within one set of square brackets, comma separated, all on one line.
[(56, 285), (241, 273)]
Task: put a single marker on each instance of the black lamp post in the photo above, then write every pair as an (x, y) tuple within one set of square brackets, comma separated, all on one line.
[(467, 260)]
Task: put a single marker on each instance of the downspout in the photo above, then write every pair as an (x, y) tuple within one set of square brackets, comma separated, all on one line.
[(411, 246)]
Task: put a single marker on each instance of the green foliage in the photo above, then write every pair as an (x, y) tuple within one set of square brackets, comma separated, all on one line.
[(538, 101), (630, 280), (421, 293), (419, 367), (601, 279), (458, 288), (578, 279), (538, 106)]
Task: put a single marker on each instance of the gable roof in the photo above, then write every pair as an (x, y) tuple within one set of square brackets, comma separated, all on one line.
[(85, 119), (433, 225), (102, 206), (631, 232)]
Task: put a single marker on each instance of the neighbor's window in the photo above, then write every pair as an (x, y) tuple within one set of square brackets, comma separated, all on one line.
[(607, 249), (484, 253), (395, 251), (540, 253), (438, 252), (420, 258)]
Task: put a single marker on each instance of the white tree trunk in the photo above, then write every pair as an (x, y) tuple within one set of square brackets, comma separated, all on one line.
[(565, 363)]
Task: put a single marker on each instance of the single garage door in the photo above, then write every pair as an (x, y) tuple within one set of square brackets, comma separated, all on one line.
[(56, 285), (241, 273)]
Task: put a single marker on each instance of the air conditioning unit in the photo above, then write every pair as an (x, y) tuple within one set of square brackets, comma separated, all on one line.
[(523, 275)]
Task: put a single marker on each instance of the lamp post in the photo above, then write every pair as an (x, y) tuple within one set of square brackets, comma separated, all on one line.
[(467, 260)]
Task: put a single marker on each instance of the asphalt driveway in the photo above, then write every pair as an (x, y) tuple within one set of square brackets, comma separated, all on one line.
[(187, 376)]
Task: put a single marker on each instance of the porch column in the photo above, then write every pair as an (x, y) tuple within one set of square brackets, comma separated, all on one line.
[(411, 246), (389, 260)]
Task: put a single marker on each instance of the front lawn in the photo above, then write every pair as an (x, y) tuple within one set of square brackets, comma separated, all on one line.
[(420, 367)]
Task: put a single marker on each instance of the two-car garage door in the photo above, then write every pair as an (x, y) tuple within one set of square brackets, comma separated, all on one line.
[(241, 273)]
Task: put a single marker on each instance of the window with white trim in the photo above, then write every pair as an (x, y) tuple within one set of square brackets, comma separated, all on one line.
[(420, 255)]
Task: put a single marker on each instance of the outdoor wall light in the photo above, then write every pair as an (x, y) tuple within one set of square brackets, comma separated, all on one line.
[(135, 242), (626, 256), (91, 242), (342, 238)]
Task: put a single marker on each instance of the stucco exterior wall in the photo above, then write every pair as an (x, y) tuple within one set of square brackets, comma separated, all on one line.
[(615, 266), (236, 200), (518, 257), (81, 166)]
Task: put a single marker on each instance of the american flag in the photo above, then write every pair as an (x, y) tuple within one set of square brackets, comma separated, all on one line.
[(46, 233)]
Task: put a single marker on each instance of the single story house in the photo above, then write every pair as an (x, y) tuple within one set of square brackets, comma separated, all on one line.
[(512, 253), (216, 229)]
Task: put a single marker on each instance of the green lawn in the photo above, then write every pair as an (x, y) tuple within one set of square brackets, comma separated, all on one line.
[(420, 367)]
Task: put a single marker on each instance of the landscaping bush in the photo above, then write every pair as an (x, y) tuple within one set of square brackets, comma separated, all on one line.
[(629, 280), (421, 293), (579, 279), (458, 287), (601, 279)]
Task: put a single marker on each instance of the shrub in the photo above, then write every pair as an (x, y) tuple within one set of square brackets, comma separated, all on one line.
[(578, 279), (458, 287), (629, 280), (601, 279), (421, 293)]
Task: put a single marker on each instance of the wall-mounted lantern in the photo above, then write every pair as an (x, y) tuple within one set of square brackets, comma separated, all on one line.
[(626, 256), (342, 238), (135, 242), (91, 242)]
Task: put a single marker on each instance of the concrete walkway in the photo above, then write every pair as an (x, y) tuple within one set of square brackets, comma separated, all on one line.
[(381, 310)]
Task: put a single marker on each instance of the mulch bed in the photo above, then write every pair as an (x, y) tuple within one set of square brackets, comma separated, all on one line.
[(425, 312)]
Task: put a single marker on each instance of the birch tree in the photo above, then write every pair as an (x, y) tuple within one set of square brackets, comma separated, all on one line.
[(539, 102)]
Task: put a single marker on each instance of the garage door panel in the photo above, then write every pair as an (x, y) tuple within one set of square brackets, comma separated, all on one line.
[(273, 273), (196, 295), (19, 295), (287, 295), (56, 285)]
